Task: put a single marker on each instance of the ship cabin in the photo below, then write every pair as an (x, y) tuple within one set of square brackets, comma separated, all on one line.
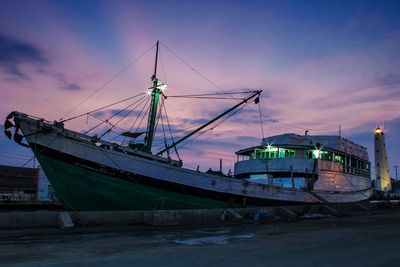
[(295, 161)]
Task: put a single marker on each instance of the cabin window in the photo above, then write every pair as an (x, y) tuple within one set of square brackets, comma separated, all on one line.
[(308, 154), (325, 155), (243, 157), (318, 154), (273, 152), (286, 153), (350, 164), (353, 163), (339, 158)]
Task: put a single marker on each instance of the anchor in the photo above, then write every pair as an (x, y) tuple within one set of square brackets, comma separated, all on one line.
[(8, 124)]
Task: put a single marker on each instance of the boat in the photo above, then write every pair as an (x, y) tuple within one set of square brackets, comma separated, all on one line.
[(327, 167), (90, 173)]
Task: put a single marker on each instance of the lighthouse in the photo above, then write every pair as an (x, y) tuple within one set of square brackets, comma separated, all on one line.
[(382, 177)]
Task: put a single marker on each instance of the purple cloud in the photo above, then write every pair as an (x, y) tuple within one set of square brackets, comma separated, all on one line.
[(15, 53)]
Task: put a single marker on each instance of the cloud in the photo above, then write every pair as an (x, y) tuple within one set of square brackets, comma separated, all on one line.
[(100, 114), (194, 121), (63, 81), (118, 113), (387, 86), (14, 54), (71, 86), (388, 79), (248, 139)]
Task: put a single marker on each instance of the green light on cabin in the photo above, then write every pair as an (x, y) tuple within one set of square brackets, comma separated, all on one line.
[(270, 148), (270, 152), (316, 153)]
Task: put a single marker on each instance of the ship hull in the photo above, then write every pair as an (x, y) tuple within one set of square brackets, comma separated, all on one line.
[(84, 188), (95, 175), (85, 185)]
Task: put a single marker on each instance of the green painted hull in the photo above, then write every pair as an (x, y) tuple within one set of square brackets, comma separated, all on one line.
[(85, 189)]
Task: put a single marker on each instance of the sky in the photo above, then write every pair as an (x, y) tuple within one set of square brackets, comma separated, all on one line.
[(321, 65)]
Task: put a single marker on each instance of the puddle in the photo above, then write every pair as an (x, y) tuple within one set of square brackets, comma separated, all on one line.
[(223, 239), (219, 240)]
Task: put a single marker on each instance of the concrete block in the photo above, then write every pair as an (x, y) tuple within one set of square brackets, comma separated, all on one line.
[(287, 213), (64, 221), (107, 218), (20, 220), (162, 217), (234, 214), (328, 210), (363, 207)]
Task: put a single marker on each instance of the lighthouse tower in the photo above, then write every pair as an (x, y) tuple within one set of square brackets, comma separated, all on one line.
[(382, 178)]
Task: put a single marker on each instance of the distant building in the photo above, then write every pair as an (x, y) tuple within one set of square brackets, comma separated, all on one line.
[(18, 183)]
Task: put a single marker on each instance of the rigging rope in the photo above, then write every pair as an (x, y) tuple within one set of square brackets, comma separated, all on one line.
[(192, 68), (213, 126), (144, 115), (215, 94), (227, 93), (170, 132), (114, 125), (207, 97), (261, 121), (137, 117), (163, 129), (162, 66), (107, 106), (108, 82), (107, 120)]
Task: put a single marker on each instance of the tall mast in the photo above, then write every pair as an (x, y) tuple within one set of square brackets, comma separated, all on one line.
[(154, 92)]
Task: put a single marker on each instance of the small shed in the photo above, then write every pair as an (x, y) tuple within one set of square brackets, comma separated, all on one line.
[(18, 183)]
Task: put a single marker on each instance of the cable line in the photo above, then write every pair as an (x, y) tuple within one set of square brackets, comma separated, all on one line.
[(108, 82), (107, 106), (107, 120)]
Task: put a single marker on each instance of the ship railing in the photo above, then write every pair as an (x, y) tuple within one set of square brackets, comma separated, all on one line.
[(326, 165), (295, 165)]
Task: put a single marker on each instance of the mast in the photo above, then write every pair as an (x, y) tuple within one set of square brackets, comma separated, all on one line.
[(155, 92), (256, 93)]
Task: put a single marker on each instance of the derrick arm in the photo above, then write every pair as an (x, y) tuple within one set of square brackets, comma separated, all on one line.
[(256, 93)]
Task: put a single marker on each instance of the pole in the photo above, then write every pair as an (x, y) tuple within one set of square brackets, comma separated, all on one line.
[(155, 96), (155, 63)]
